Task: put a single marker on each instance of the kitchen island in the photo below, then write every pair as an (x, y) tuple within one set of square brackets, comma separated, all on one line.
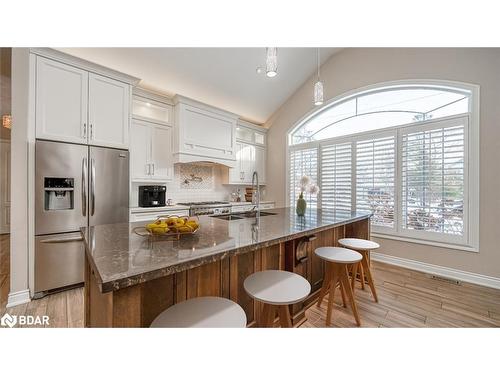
[(130, 279)]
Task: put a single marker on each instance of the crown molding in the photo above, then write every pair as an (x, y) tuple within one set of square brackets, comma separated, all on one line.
[(53, 54)]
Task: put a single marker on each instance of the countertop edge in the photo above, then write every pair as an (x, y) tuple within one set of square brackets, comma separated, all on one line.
[(114, 285)]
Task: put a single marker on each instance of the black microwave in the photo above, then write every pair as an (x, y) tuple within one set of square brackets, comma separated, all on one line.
[(152, 196)]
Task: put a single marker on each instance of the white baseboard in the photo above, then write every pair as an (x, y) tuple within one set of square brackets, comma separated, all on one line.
[(18, 298), (451, 273)]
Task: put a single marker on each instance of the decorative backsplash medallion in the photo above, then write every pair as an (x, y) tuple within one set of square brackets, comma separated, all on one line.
[(194, 176)]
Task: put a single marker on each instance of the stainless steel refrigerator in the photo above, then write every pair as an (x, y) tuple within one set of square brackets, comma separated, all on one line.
[(76, 186)]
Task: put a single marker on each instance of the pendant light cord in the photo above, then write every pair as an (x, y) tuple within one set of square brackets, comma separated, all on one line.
[(318, 62)]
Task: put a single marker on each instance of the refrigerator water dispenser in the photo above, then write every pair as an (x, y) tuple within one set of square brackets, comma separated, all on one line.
[(59, 193)]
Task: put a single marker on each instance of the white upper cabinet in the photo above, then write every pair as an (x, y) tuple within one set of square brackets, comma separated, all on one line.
[(150, 152), (203, 133), (151, 110), (61, 102), (140, 151), (73, 104), (109, 102), (249, 158), (260, 163), (161, 153), (250, 155)]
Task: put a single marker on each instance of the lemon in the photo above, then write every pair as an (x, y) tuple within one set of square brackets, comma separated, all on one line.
[(193, 224), (171, 221), (185, 229)]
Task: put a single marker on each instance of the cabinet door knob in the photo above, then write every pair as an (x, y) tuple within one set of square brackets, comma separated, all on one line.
[(84, 130), (91, 131)]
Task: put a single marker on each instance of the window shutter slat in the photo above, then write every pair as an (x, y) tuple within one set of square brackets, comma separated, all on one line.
[(336, 177), (303, 163), (375, 171), (433, 180)]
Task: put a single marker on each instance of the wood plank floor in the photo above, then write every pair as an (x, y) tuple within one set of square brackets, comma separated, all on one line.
[(406, 299), (412, 299)]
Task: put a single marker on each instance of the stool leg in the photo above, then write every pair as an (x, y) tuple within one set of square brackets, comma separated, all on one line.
[(354, 275), (342, 292), (267, 317), (285, 320), (344, 279), (326, 283), (366, 265), (362, 276), (333, 284)]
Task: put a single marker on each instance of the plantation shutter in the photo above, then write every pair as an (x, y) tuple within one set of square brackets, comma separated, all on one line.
[(336, 176), (303, 163), (375, 177), (433, 177)]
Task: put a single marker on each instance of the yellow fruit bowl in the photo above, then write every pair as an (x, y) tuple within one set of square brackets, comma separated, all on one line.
[(172, 226)]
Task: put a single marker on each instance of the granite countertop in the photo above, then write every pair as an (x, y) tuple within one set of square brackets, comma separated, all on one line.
[(121, 258)]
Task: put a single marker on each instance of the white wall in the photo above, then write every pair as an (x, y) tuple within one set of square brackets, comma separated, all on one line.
[(359, 67)]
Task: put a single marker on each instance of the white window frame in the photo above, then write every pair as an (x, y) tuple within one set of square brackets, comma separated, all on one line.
[(471, 188)]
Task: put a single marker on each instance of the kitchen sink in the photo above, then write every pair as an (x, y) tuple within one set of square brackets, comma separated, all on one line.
[(254, 214), (228, 217), (242, 215)]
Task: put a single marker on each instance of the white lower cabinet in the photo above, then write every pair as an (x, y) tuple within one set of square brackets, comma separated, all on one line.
[(150, 152)]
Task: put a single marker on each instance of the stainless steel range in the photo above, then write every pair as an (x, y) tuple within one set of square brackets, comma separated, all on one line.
[(208, 208)]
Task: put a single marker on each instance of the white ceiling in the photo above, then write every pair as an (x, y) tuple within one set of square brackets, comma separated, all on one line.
[(222, 77)]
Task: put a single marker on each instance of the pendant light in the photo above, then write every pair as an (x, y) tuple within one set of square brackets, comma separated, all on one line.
[(271, 62), (318, 87)]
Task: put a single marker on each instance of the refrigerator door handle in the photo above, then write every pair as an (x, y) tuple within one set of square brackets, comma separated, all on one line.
[(92, 187), (84, 186), (62, 240)]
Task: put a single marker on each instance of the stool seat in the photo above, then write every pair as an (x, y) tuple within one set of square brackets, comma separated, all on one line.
[(358, 244), (202, 312), (338, 255), (277, 287)]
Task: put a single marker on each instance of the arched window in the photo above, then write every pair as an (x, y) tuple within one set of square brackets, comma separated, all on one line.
[(399, 150)]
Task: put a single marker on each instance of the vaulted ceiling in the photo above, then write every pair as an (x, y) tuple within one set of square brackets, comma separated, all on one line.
[(222, 77)]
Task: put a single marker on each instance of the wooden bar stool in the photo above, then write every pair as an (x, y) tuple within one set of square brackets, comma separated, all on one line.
[(336, 273), (363, 247), (202, 312), (276, 290)]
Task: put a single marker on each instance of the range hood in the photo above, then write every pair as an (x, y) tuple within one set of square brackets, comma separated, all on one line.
[(191, 159), (203, 134)]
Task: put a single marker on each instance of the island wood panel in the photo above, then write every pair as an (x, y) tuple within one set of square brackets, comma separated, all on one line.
[(204, 281), (240, 267)]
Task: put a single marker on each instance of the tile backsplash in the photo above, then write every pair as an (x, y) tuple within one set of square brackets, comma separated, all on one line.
[(195, 182)]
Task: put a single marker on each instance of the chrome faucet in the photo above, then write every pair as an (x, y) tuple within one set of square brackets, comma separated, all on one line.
[(255, 187)]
